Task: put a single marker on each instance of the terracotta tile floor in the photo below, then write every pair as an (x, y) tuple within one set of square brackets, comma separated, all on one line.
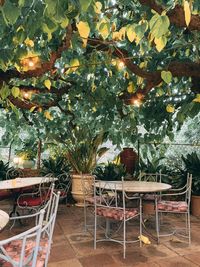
[(72, 247)]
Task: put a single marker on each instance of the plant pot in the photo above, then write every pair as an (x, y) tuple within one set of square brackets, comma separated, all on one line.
[(129, 157), (28, 164), (78, 187), (195, 205)]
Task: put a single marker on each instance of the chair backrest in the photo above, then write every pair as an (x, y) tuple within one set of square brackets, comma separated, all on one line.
[(22, 249), (14, 173), (49, 213), (150, 177), (48, 226), (188, 188), (63, 184)]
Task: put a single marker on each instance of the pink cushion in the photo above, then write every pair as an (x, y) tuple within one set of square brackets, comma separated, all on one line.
[(173, 206), (13, 249), (117, 214)]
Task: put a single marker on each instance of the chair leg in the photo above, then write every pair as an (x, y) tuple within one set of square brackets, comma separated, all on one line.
[(95, 231), (124, 240), (189, 227)]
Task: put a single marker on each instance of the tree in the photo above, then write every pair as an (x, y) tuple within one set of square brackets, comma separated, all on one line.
[(73, 62)]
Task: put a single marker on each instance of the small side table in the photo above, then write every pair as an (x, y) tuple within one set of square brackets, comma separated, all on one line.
[(4, 219)]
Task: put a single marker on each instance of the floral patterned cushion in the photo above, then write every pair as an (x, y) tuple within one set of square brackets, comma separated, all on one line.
[(173, 206), (116, 214), (13, 250)]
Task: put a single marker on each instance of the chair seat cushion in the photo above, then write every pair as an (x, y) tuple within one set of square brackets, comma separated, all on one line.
[(13, 250), (29, 201), (173, 206), (116, 213)]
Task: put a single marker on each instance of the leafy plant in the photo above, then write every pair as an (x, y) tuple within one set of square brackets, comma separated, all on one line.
[(110, 172), (85, 151), (4, 168), (151, 166), (192, 165), (55, 166)]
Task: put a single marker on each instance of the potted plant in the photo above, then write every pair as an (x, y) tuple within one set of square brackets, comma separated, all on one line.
[(192, 165), (83, 152)]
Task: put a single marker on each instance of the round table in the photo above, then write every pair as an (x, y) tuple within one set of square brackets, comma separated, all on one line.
[(134, 186), (4, 219), (24, 182)]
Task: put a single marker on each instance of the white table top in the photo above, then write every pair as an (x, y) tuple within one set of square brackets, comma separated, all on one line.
[(4, 219), (134, 186), (24, 182)]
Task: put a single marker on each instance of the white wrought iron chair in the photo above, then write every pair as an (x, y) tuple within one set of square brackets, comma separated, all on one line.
[(112, 206), (34, 201), (22, 249), (45, 241), (164, 206)]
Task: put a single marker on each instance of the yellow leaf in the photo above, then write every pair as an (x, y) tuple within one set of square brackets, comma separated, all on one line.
[(131, 87), (187, 12), (130, 33), (94, 109), (39, 109), (122, 32), (29, 42), (139, 80), (126, 75), (197, 99), (116, 36), (93, 87), (47, 83), (33, 108), (160, 43), (170, 108), (110, 73), (104, 30), (48, 115), (97, 7), (74, 63), (84, 31)]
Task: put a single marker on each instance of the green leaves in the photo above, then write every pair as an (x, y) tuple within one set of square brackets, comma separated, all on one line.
[(166, 76), (159, 25), (85, 4), (15, 91), (10, 12)]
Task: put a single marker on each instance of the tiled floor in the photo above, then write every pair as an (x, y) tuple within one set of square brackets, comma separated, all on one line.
[(72, 247)]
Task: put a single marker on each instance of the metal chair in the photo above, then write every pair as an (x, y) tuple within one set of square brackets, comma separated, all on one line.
[(176, 207), (35, 200), (14, 173), (14, 250), (112, 206), (47, 227)]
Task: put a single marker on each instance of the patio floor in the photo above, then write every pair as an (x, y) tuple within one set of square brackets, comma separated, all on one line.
[(72, 247)]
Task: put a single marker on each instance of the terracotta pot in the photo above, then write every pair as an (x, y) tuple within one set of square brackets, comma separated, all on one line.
[(195, 205), (129, 157)]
